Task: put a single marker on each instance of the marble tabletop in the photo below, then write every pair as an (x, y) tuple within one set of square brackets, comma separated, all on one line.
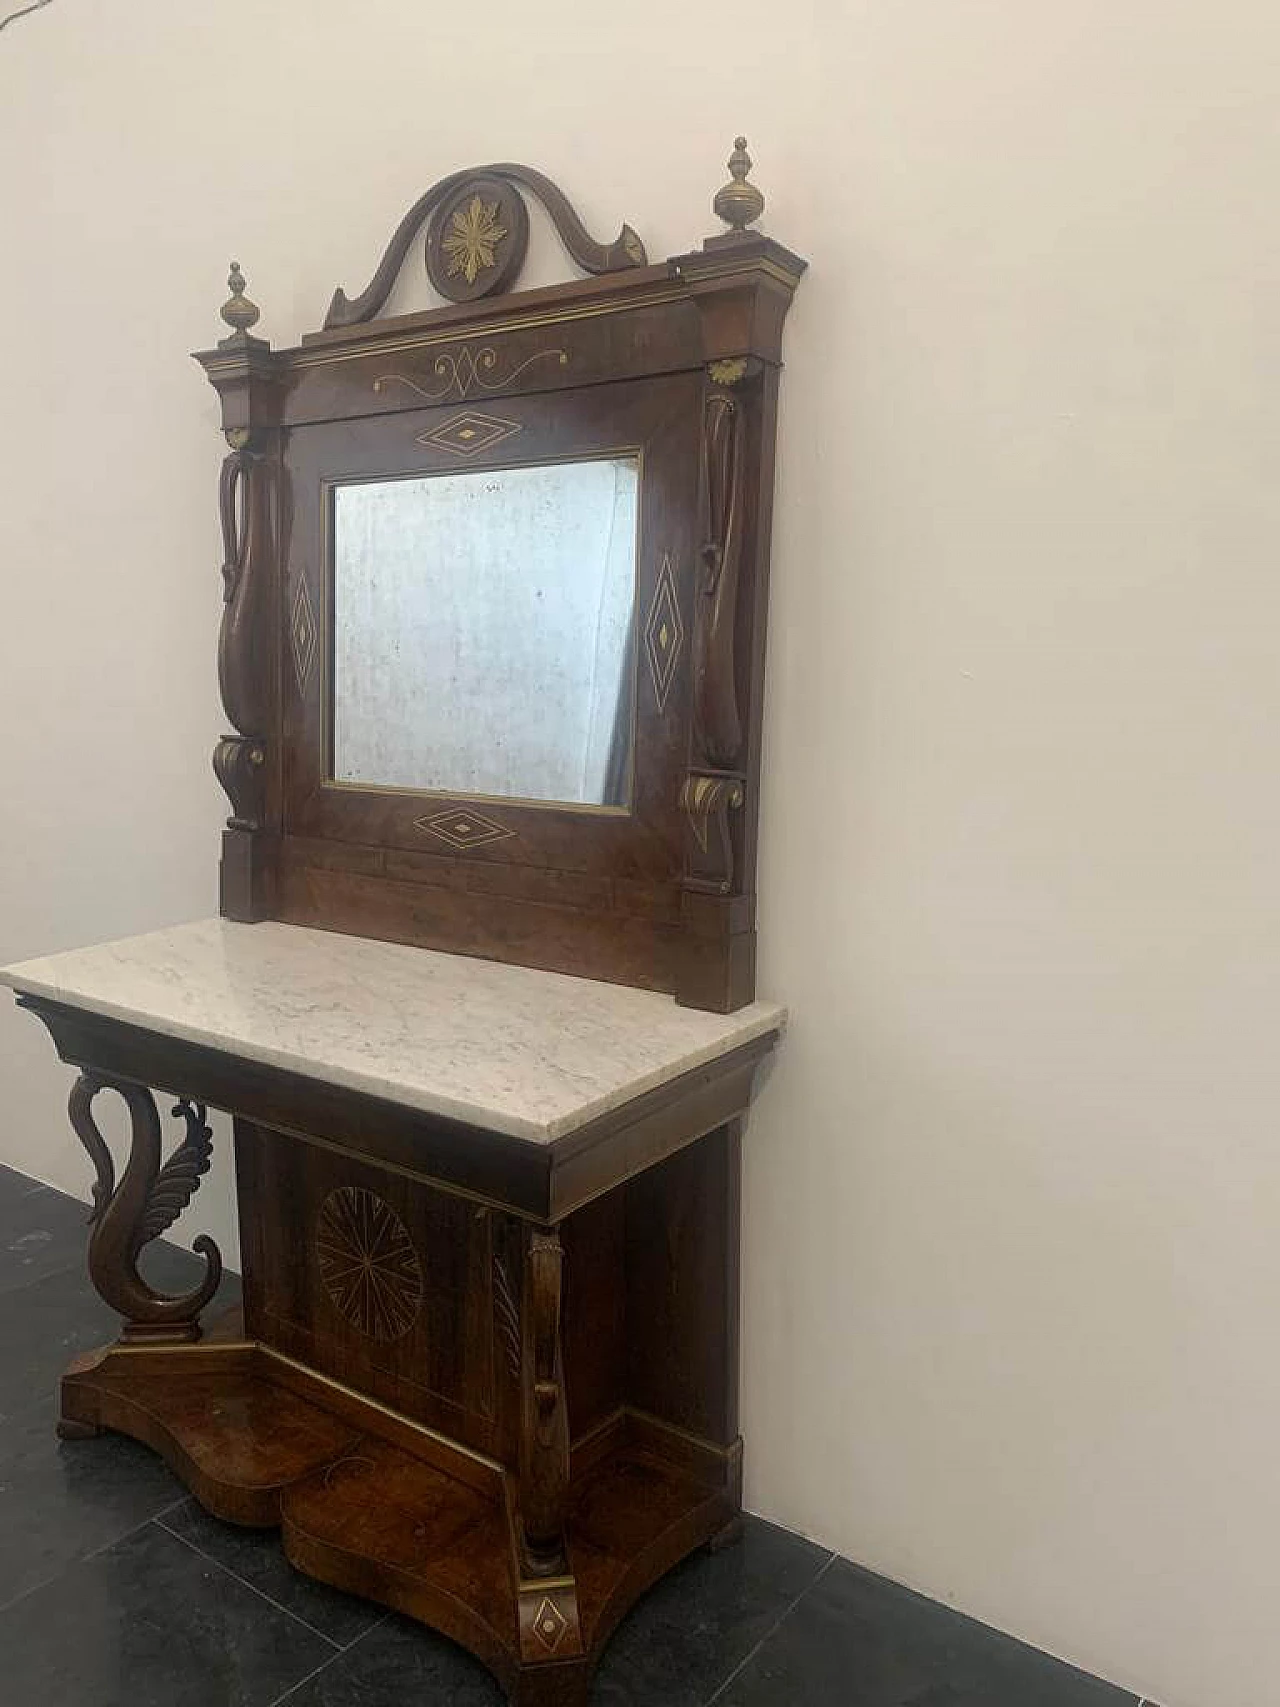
[(531, 1054)]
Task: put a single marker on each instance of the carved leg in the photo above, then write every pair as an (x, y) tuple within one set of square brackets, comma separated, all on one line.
[(546, 1592), (147, 1201)]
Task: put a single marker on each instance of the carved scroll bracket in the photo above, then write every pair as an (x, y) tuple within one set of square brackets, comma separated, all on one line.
[(706, 799), (145, 1204), (476, 237)]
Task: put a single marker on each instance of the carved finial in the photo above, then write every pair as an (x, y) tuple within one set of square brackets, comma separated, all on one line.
[(238, 312), (739, 203)]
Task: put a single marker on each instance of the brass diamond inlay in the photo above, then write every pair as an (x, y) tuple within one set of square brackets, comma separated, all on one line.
[(664, 633), (550, 1624), (462, 828), (302, 633), (468, 433)]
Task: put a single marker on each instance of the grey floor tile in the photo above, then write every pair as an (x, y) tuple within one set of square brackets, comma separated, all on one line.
[(400, 1664), (41, 1231), (681, 1642), (63, 1500), (149, 1623), (860, 1641), (257, 1558), (42, 1327)]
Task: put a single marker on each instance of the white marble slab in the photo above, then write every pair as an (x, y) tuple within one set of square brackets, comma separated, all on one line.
[(532, 1054)]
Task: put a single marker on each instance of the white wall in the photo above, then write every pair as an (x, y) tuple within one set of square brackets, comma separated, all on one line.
[(1013, 1193)]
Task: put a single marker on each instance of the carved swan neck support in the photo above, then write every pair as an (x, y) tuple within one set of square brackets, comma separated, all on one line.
[(145, 1204)]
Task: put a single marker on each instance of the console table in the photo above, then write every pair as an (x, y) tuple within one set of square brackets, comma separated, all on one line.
[(492, 659), (489, 1222)]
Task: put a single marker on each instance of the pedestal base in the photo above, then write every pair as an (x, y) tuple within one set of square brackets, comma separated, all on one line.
[(380, 1506)]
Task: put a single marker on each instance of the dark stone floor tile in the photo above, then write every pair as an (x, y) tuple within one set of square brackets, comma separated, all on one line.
[(397, 1664), (680, 1643), (44, 1325), (676, 1647), (62, 1500), (41, 1231), (149, 1623), (860, 1641), (257, 1558)]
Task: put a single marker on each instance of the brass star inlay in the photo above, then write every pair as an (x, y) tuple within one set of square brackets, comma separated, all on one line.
[(476, 234)]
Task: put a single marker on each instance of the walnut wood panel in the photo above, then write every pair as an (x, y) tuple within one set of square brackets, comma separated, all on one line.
[(682, 1222), (375, 1279), (595, 1315)]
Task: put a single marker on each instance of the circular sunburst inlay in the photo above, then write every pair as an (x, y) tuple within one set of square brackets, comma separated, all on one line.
[(368, 1263)]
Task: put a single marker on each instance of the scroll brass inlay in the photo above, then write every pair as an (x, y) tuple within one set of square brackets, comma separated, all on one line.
[(701, 796), (368, 1263), (476, 234), (466, 368)]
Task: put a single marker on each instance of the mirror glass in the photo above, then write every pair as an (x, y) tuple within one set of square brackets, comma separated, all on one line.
[(482, 631)]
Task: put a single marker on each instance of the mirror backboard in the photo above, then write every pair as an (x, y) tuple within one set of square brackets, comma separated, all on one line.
[(482, 632), (495, 579)]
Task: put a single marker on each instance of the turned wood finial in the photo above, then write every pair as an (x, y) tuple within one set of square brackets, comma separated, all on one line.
[(739, 203), (238, 311)]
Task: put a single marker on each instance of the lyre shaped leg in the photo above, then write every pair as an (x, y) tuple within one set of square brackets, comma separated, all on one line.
[(147, 1201)]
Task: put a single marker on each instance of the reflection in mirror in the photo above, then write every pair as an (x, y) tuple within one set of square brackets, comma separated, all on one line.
[(482, 631)]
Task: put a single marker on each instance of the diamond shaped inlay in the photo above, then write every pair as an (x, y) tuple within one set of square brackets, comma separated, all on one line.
[(550, 1624), (664, 633), (302, 633), (470, 432), (462, 828)]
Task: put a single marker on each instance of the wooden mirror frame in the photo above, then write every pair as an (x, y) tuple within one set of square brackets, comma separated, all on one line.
[(679, 361)]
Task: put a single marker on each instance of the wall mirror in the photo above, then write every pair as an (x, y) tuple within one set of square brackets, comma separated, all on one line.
[(496, 579), (483, 631)]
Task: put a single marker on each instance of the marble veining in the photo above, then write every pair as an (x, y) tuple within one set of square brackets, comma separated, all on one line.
[(531, 1054)]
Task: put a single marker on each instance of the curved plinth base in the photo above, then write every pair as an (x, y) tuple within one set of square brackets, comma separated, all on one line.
[(376, 1505)]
